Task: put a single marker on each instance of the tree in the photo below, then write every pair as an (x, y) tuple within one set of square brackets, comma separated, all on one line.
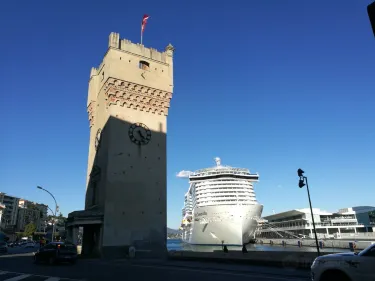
[(61, 220), (29, 229)]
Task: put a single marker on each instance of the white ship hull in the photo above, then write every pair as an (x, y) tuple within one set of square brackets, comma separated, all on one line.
[(222, 224)]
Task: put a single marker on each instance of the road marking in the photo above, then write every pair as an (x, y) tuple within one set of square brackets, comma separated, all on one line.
[(226, 273), (19, 277), (26, 275)]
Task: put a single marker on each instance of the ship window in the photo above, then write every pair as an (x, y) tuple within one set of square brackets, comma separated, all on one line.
[(144, 65)]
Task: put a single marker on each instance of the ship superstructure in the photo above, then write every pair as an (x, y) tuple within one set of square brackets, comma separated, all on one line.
[(220, 206)]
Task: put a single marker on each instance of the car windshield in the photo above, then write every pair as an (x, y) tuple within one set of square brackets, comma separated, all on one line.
[(366, 250), (68, 247)]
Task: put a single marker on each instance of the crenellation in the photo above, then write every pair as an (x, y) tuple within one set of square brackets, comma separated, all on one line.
[(135, 48), (124, 42), (114, 40), (156, 55), (93, 72)]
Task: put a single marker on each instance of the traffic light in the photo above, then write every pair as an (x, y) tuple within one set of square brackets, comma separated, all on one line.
[(300, 172), (301, 184), (371, 15)]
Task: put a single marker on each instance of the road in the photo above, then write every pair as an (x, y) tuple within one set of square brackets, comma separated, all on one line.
[(18, 265)]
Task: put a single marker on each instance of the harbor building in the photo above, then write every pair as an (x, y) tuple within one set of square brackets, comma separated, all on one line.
[(354, 222)]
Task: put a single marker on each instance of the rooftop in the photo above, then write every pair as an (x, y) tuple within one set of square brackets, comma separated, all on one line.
[(317, 211), (220, 169), (21, 199)]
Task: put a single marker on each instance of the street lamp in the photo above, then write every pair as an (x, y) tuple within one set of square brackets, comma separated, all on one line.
[(56, 210), (302, 182)]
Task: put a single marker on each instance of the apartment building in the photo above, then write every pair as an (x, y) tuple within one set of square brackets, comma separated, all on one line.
[(20, 212), (9, 217)]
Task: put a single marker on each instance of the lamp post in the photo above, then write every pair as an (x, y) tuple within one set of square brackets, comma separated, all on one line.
[(56, 210), (371, 15), (302, 182)]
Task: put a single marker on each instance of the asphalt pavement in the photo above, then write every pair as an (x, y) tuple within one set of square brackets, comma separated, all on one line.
[(18, 265)]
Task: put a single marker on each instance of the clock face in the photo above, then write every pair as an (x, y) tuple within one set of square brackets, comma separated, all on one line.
[(97, 139), (140, 134)]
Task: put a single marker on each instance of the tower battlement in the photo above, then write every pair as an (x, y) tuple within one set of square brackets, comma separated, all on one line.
[(136, 49)]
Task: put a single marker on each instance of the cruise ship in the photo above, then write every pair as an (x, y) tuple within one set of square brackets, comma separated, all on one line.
[(220, 206)]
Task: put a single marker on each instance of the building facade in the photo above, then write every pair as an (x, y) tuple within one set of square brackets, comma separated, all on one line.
[(31, 212), (2, 207), (346, 223), (128, 101), (9, 218), (20, 212)]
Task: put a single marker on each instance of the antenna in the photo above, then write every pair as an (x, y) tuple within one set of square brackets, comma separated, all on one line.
[(218, 161)]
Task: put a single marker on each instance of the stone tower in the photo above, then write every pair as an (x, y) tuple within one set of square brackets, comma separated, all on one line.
[(128, 100)]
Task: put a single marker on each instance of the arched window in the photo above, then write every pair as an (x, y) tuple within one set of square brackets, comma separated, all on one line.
[(144, 65)]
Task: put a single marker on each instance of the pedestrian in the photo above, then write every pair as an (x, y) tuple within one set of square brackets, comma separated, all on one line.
[(244, 250), (225, 249)]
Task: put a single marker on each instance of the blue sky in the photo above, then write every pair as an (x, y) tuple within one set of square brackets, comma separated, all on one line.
[(268, 85)]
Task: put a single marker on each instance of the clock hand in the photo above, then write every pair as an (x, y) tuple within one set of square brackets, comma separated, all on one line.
[(140, 133)]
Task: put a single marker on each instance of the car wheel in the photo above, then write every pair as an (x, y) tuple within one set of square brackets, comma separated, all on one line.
[(334, 275), (73, 261)]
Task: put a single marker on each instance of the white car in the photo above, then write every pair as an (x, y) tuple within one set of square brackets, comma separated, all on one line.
[(345, 266)]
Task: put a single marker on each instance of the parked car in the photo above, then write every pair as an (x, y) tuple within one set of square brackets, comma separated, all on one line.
[(57, 252), (29, 245), (345, 266), (3, 247)]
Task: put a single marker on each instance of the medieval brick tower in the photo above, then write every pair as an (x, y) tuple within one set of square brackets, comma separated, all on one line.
[(128, 100)]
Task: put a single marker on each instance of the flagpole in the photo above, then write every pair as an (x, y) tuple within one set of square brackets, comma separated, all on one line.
[(143, 25)]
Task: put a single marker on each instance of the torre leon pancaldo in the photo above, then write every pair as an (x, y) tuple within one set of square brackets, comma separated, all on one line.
[(128, 100)]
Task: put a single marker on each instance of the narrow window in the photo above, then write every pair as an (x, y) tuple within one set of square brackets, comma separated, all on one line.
[(144, 65)]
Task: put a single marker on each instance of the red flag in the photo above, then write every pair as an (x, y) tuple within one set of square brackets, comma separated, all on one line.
[(144, 22)]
